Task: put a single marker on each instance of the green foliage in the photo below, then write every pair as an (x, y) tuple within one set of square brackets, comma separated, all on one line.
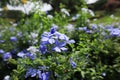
[(95, 52)]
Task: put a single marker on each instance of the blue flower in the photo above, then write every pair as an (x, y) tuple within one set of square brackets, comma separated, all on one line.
[(31, 72), (53, 30), (83, 28), (30, 55), (115, 32), (43, 49), (94, 26), (2, 41), (13, 39), (63, 37), (104, 74), (47, 39), (59, 46), (73, 64), (71, 41), (14, 51), (21, 54), (20, 34), (39, 74), (1, 51), (89, 31), (7, 56), (24, 54), (45, 75)]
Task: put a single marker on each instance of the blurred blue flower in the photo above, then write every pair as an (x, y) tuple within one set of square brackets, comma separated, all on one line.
[(45, 75), (30, 55), (33, 49), (43, 49), (115, 32), (73, 64), (21, 54), (52, 30), (104, 74), (71, 41), (7, 77), (59, 46), (12, 29), (88, 31), (2, 51), (24, 54), (14, 51), (94, 26), (2, 41), (7, 56), (83, 28), (20, 34), (13, 38), (109, 28)]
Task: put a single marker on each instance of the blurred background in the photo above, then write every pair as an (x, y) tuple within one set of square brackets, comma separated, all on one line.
[(104, 10)]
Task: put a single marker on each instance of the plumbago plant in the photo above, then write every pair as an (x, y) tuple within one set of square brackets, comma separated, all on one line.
[(18, 37), (27, 52), (48, 61)]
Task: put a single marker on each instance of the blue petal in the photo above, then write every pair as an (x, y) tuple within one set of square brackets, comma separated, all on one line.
[(30, 55), (51, 41), (39, 73), (1, 51), (63, 48), (28, 73), (72, 63), (53, 30), (34, 73), (43, 49), (62, 37), (21, 54), (57, 49), (44, 39), (6, 56), (45, 76), (61, 44), (13, 38), (2, 41), (71, 41)]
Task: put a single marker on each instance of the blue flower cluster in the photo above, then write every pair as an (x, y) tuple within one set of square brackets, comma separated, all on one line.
[(26, 53), (54, 41), (114, 31), (5, 55), (31, 72), (111, 29), (90, 30)]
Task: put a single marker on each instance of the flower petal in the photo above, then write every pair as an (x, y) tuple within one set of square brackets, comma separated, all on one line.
[(57, 49)]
